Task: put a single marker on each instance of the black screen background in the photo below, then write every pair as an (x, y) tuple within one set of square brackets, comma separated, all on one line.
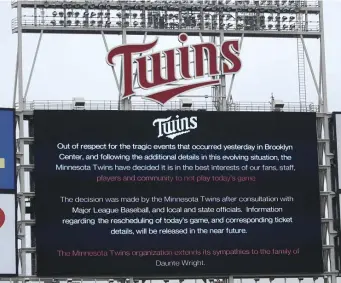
[(91, 127)]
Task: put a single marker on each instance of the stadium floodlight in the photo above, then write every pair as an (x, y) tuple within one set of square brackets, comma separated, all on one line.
[(78, 103), (186, 103), (204, 16)]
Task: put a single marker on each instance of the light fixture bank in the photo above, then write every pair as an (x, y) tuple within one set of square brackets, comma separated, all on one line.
[(228, 54)]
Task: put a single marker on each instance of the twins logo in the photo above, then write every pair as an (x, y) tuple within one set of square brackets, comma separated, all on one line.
[(2, 217), (171, 128), (175, 69)]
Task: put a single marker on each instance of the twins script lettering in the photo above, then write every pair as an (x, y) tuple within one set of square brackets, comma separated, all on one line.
[(231, 63)]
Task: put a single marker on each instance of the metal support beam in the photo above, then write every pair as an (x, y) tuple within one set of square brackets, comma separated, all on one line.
[(223, 95), (21, 173), (323, 61), (20, 63), (15, 80), (320, 75), (301, 74), (216, 99), (311, 68), (135, 74), (215, 90), (234, 75), (114, 71), (121, 70), (125, 103), (33, 64)]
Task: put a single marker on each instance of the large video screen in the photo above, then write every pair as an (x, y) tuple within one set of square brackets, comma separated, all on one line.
[(181, 194)]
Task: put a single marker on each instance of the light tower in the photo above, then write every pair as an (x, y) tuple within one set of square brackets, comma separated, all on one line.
[(217, 19)]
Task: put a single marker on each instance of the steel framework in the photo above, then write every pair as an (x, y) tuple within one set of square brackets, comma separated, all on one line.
[(215, 18)]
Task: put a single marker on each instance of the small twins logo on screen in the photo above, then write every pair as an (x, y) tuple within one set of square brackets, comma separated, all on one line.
[(172, 127)]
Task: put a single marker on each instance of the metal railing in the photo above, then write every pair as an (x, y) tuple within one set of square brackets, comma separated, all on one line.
[(303, 3), (266, 107), (49, 22), (174, 105)]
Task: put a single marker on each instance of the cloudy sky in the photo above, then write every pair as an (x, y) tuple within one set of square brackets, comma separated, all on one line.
[(74, 65)]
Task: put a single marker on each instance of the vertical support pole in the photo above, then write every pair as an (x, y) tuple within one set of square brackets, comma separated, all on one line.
[(223, 106), (320, 74), (15, 80), (22, 205), (35, 15), (20, 61), (234, 75), (323, 61), (125, 103), (135, 74), (215, 90), (122, 62)]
